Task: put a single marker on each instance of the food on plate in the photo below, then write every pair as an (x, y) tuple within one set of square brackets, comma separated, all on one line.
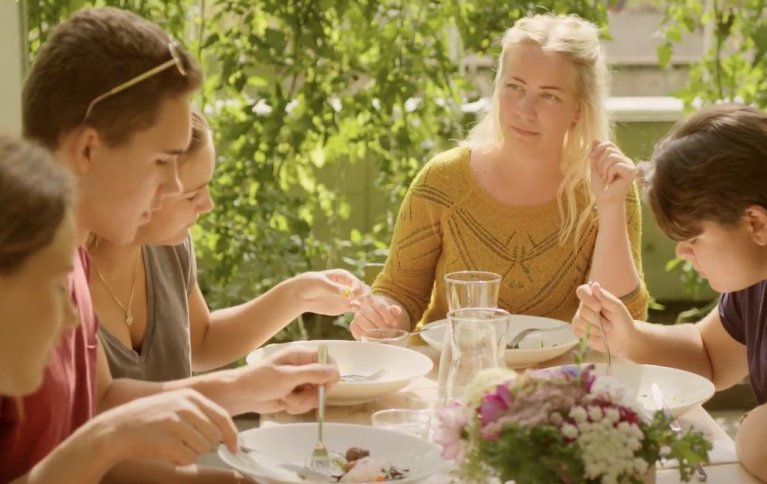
[(361, 467)]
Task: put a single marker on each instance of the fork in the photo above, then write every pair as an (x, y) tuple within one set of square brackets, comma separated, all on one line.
[(525, 332), (357, 378), (263, 459), (604, 340), (321, 459)]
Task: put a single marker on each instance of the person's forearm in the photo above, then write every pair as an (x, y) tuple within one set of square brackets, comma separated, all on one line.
[(222, 387), (84, 457), (233, 332), (612, 265), (677, 346)]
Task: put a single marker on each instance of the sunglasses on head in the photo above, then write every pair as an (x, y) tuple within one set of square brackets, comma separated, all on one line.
[(175, 60)]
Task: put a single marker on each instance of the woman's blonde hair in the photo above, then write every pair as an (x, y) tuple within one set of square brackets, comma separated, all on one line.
[(577, 40)]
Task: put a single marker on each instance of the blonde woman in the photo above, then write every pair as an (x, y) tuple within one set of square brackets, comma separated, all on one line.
[(536, 193)]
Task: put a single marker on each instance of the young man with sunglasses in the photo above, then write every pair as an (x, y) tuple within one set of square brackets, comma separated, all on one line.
[(109, 96), (707, 187)]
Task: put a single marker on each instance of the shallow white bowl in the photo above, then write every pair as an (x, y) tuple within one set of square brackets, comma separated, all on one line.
[(536, 348), (682, 389), (400, 365), (293, 444)]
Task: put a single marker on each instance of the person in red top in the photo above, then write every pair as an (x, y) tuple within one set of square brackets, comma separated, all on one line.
[(108, 94), (47, 346)]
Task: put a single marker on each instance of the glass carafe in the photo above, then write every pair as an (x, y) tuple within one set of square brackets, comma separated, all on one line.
[(477, 335)]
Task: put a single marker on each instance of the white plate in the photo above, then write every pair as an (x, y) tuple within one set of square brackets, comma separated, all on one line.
[(536, 348), (293, 444), (400, 365), (682, 389)]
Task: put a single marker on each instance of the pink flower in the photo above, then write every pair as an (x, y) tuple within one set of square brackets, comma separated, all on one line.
[(451, 422), (494, 405)]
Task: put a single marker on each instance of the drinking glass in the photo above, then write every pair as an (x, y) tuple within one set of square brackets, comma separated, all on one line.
[(465, 289), (390, 336), (472, 289)]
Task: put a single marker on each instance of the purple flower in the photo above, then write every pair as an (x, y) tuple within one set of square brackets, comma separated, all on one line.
[(588, 378)]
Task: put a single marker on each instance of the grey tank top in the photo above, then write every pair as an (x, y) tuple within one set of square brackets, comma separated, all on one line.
[(166, 350)]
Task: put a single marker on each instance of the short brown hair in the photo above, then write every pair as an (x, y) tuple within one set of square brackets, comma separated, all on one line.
[(89, 54), (711, 167), (35, 193)]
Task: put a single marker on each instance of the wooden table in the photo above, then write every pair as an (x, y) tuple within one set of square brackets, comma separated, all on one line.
[(728, 472)]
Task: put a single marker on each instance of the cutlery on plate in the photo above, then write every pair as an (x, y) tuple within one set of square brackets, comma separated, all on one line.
[(660, 402), (266, 461), (322, 460), (359, 378), (512, 345), (429, 327)]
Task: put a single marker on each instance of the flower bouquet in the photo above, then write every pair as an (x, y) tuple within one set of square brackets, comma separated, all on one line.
[(561, 425)]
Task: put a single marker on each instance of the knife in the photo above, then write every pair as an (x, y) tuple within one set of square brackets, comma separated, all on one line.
[(674, 425)]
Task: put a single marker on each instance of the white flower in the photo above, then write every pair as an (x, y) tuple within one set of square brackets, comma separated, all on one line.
[(612, 414), (569, 431), (608, 450), (486, 381), (640, 465), (556, 418), (595, 414), (578, 414)]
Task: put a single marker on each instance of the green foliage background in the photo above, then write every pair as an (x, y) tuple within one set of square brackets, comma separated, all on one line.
[(299, 94), (311, 100)]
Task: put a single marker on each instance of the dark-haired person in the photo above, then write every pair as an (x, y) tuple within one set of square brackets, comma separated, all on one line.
[(707, 187)]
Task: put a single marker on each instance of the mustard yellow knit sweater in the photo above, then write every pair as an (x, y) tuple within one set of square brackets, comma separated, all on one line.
[(448, 222)]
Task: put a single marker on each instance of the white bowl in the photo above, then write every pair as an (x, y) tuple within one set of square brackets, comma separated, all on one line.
[(293, 444), (682, 389), (400, 365), (535, 348)]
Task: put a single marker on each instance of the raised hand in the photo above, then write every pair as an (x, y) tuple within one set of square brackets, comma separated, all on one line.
[(611, 172), (331, 292), (378, 312), (619, 327)]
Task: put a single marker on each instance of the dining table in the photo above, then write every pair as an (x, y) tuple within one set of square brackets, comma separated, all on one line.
[(723, 467)]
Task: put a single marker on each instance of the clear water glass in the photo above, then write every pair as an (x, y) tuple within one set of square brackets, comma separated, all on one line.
[(389, 336), (465, 289)]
